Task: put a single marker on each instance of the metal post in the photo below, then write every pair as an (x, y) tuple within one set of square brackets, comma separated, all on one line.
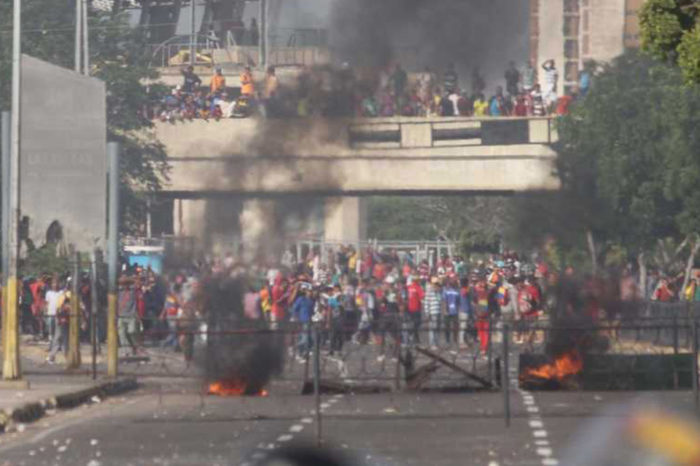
[(317, 385), (193, 37), (262, 35), (148, 217), (78, 35), (11, 369), (93, 312), (505, 376), (113, 259), (6, 151), (73, 360), (696, 397), (675, 332), (397, 375), (86, 40)]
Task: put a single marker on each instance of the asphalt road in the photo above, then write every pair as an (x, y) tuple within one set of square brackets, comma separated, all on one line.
[(169, 422)]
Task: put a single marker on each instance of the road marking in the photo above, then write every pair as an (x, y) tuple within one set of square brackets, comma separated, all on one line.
[(537, 425), (325, 405), (258, 455), (296, 428), (285, 438), (306, 420)]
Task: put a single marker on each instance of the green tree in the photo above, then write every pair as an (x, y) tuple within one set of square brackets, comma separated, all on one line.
[(628, 163), (670, 30), (118, 57)]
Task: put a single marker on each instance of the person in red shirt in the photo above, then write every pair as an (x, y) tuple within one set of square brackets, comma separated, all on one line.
[(480, 298), (279, 302), (414, 306), (663, 292)]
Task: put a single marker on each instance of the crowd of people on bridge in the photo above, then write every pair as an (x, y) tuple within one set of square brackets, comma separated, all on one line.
[(327, 91)]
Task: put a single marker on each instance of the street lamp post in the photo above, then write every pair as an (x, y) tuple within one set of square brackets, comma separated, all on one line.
[(11, 369)]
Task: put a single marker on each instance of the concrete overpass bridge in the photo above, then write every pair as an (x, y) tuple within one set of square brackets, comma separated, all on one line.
[(344, 160)]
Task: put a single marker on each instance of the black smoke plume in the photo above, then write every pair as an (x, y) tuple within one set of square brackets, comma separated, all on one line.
[(469, 33), (238, 349)]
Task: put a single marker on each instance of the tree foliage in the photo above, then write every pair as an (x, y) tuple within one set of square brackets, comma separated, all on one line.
[(670, 30), (628, 161), (118, 57)]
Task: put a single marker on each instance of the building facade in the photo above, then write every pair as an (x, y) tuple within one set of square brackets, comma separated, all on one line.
[(572, 32)]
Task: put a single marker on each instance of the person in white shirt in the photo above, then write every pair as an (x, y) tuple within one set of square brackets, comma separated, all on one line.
[(549, 89), (54, 298)]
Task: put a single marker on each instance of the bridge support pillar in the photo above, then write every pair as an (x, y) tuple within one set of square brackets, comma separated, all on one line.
[(345, 219), (259, 230)]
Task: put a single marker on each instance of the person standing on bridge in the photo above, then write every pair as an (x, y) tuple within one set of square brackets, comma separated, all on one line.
[(512, 76), (551, 78), (270, 92), (218, 82), (247, 84), (451, 79), (190, 80)]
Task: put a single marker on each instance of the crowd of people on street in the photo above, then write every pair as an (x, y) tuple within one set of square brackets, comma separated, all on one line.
[(326, 91), (381, 297)]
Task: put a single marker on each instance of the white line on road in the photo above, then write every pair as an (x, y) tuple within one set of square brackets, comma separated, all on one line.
[(540, 433), (325, 405), (296, 428), (550, 462), (536, 424), (306, 420), (533, 409), (542, 443), (544, 451), (285, 438)]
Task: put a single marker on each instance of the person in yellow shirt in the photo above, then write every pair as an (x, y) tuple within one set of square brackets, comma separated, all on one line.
[(218, 82), (247, 85), (481, 106)]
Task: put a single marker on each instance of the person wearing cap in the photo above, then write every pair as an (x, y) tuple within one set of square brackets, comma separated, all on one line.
[(218, 82)]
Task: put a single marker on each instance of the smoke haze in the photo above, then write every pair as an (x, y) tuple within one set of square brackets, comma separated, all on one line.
[(419, 33)]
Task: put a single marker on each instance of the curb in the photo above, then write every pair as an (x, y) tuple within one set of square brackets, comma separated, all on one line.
[(31, 412)]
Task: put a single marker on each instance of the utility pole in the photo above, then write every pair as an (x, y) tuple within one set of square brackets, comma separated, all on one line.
[(86, 39), (193, 37), (112, 259), (78, 35), (6, 151), (73, 359), (11, 369)]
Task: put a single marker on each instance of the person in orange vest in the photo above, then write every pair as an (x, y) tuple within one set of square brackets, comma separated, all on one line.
[(247, 84), (218, 82)]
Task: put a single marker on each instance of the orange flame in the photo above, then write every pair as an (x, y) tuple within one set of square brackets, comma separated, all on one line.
[(232, 388), (564, 366)]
